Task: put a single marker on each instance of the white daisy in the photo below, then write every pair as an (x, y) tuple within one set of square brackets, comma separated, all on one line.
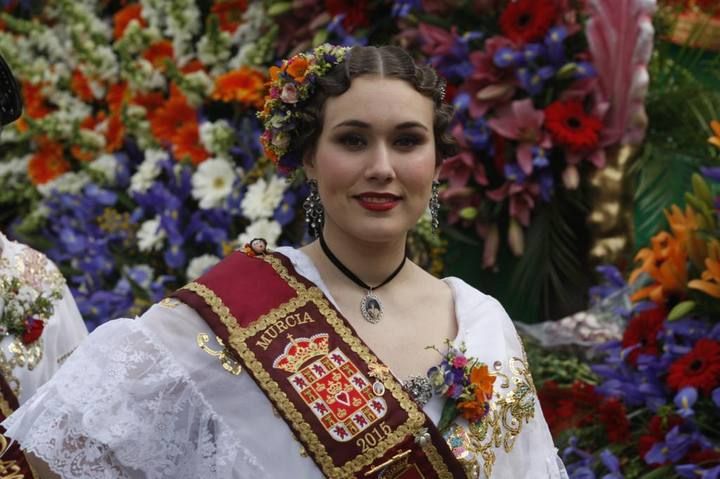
[(267, 229), (198, 266), (213, 182), (262, 198)]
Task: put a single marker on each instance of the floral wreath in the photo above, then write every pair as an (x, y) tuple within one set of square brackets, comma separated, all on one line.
[(290, 86)]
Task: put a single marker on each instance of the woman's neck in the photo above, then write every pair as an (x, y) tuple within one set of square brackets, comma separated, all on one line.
[(372, 262)]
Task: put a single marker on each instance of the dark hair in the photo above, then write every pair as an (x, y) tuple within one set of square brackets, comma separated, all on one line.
[(388, 62)]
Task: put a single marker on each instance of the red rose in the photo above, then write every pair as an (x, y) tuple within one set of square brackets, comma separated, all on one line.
[(33, 330)]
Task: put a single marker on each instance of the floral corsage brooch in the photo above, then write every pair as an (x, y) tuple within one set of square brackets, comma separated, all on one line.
[(466, 384)]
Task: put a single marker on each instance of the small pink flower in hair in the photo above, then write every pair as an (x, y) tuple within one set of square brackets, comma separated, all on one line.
[(289, 93)]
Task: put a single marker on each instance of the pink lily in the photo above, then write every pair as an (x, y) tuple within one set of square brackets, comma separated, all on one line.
[(488, 85), (522, 199), (458, 169), (522, 122)]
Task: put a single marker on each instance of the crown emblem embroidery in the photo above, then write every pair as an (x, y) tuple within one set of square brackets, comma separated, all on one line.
[(299, 351)]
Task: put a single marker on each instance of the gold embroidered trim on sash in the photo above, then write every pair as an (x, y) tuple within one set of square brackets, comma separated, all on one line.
[(305, 295)]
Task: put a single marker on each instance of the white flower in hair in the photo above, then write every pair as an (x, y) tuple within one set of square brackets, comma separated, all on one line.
[(150, 236), (213, 182), (269, 230), (198, 266), (263, 197)]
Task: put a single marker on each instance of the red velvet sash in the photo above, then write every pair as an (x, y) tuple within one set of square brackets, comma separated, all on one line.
[(13, 464), (318, 373)]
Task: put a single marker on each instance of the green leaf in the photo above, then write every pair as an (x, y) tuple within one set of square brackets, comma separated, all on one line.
[(278, 8), (449, 413), (681, 309)]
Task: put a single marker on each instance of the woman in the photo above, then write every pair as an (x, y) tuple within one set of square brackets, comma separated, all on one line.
[(311, 363)]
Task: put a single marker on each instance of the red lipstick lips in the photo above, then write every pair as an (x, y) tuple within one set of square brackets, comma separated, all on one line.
[(377, 201)]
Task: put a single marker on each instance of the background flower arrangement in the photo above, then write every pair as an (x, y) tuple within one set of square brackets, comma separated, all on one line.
[(139, 135), (652, 409)]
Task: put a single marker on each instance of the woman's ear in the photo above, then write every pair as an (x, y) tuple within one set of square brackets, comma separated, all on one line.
[(309, 164)]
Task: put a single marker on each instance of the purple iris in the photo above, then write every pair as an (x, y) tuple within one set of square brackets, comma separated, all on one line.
[(684, 400)]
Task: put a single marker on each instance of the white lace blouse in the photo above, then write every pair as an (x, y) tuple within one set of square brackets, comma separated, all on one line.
[(140, 399)]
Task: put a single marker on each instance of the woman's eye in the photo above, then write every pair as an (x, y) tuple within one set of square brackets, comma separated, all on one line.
[(407, 141), (353, 142)]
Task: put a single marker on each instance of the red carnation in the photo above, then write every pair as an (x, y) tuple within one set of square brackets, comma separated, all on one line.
[(614, 416), (700, 368), (570, 126), (527, 21), (33, 330), (643, 330)]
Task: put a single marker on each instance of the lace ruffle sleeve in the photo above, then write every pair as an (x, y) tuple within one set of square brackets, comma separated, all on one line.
[(122, 407)]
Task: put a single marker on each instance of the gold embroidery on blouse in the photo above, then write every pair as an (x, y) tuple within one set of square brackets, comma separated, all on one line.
[(512, 406), (22, 356), (229, 364), (169, 303), (314, 295), (458, 439)]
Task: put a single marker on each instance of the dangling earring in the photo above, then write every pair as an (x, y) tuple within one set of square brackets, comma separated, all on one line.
[(435, 206), (314, 212)]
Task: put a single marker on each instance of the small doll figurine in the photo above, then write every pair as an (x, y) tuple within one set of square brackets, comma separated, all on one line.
[(256, 247)]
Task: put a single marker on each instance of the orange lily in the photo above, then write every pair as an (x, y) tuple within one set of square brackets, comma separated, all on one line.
[(684, 228), (715, 139), (710, 282), (666, 263)]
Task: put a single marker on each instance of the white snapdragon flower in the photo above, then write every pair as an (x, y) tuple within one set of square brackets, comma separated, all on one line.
[(150, 236), (197, 86), (217, 137), (107, 165), (148, 170), (213, 182), (199, 266), (262, 198), (70, 182), (213, 50), (14, 167), (263, 228)]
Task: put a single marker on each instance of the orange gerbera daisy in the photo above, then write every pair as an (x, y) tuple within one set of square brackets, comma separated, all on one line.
[(715, 139), (81, 86), (151, 101), (47, 163), (171, 116), (114, 133), (244, 85), (186, 144), (118, 94), (124, 16), (158, 52), (229, 13), (666, 263), (192, 66)]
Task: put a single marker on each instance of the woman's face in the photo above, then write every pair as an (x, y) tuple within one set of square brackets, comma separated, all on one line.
[(375, 159)]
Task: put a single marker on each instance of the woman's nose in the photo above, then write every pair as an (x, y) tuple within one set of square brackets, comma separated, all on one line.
[(380, 165)]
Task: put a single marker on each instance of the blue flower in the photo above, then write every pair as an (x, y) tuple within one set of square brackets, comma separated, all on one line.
[(554, 42), (716, 396), (684, 400), (402, 8), (612, 463), (711, 172)]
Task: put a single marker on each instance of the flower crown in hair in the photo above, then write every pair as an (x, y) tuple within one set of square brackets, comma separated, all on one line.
[(290, 86)]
